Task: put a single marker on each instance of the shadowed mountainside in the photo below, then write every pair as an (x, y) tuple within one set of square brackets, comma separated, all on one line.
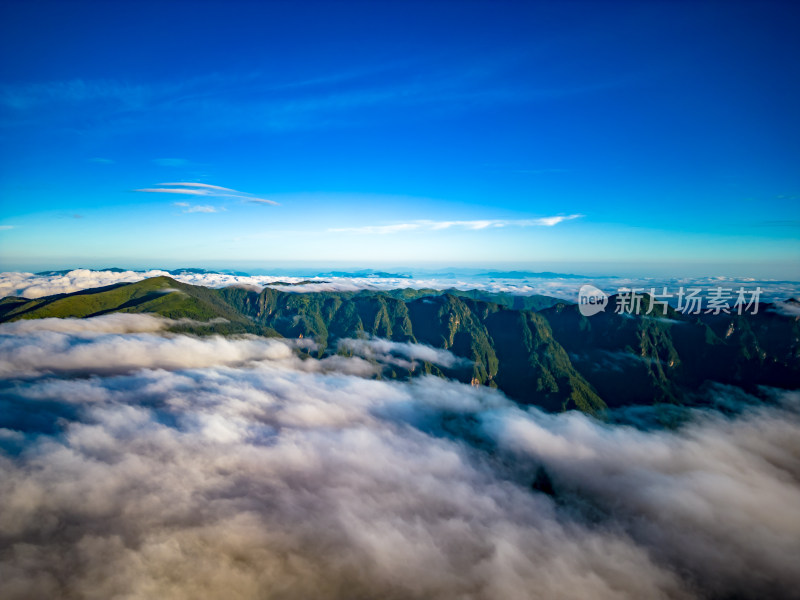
[(554, 358)]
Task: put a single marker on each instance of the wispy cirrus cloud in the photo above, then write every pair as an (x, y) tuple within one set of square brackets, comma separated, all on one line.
[(202, 186), (6, 227), (197, 208), (474, 225), (205, 208), (261, 201), (207, 190), (246, 100), (170, 191)]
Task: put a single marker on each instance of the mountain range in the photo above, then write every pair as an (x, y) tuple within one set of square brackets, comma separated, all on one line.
[(538, 350)]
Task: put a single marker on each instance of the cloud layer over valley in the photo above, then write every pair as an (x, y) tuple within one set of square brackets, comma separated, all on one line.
[(30, 285), (140, 464)]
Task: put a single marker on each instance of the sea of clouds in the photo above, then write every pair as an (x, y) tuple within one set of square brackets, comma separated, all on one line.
[(30, 285), (140, 464)]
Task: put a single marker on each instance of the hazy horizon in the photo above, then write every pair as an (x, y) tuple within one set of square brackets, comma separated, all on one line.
[(777, 272)]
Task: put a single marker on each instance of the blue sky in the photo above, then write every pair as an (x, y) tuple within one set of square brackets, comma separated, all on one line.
[(630, 137)]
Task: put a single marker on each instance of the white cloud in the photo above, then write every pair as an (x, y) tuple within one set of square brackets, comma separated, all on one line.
[(206, 189), (103, 324), (111, 323), (175, 191), (98, 349), (227, 481), (206, 186), (6, 227), (205, 208), (29, 285), (402, 354), (200, 208), (426, 225), (718, 483), (260, 201), (547, 221), (790, 309), (95, 345)]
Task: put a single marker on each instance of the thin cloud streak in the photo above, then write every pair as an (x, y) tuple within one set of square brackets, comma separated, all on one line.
[(174, 191), (425, 225), (216, 101), (259, 201), (207, 186), (206, 189), (199, 208), (204, 208)]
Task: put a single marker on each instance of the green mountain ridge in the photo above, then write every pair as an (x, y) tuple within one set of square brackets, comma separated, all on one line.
[(163, 296), (538, 350), (666, 357)]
